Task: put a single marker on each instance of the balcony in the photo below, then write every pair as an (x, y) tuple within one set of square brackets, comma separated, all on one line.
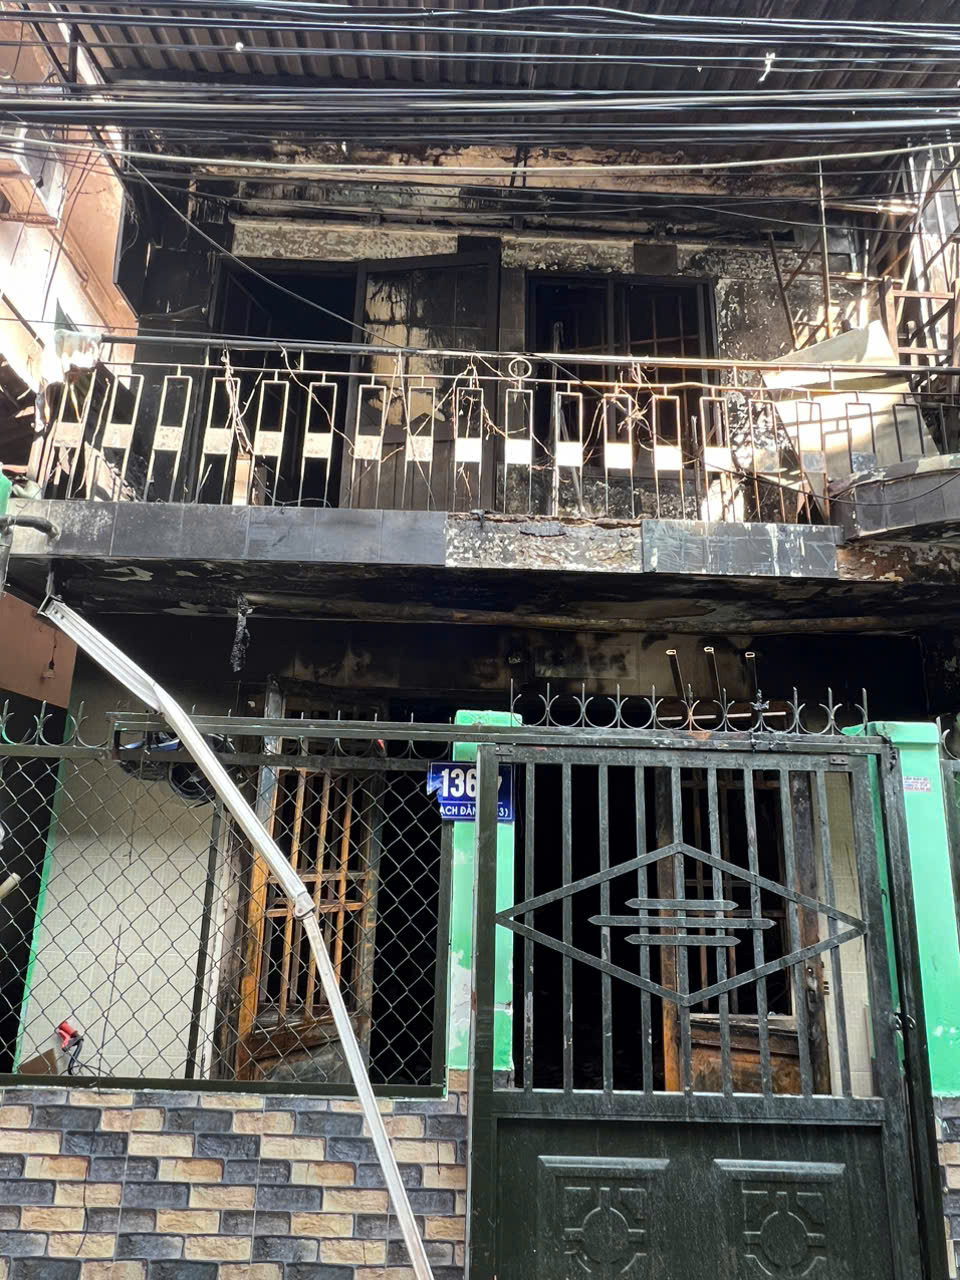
[(593, 437)]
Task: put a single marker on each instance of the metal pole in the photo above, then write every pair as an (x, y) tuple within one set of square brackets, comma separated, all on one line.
[(213, 851), (154, 696), (824, 254)]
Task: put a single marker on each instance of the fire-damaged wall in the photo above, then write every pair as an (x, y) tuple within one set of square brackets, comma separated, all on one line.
[(750, 313), (394, 670)]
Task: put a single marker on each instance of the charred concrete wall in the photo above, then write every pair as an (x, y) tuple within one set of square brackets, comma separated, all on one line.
[(751, 322), (394, 670)]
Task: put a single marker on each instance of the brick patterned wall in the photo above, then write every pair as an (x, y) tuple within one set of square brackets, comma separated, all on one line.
[(180, 1186), (948, 1137)]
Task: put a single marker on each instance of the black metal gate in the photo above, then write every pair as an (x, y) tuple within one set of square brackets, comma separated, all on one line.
[(707, 1072)]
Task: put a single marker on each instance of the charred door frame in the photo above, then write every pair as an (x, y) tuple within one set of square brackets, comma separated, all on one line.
[(225, 271), (702, 288), (489, 258), (904, 1108)]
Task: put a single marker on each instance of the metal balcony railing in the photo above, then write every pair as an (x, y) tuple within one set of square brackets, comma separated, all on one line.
[(532, 435)]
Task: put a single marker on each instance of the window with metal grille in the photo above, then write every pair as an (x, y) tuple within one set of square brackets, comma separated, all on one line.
[(330, 826)]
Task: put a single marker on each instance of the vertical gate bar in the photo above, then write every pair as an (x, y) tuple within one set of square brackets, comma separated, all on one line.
[(206, 921), (603, 796), (829, 893), (289, 944), (888, 1083), (368, 880), (268, 783), (805, 853), (724, 791), (879, 991), (793, 935), (342, 877), (696, 791), (669, 1010), (763, 1030), (567, 874), (320, 859), (646, 1025), (528, 883), (713, 813), (680, 889)]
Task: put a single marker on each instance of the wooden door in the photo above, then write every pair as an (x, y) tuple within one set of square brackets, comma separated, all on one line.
[(407, 409)]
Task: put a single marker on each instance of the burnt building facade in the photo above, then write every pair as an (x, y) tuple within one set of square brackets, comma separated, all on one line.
[(499, 389)]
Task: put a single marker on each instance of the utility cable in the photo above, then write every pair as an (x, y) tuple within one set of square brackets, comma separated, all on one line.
[(251, 270), (493, 171)]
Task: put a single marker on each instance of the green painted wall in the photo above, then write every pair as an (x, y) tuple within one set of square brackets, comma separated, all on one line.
[(461, 924), (936, 912)]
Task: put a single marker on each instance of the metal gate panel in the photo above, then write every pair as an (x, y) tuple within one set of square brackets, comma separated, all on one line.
[(706, 1072)]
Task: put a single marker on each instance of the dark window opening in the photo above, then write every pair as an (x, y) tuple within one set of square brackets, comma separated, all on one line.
[(290, 397), (367, 843), (597, 404)]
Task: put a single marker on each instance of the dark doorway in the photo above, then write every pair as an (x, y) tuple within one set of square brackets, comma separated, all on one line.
[(286, 394), (617, 811)]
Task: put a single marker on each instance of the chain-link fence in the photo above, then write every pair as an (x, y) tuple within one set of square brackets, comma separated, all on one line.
[(146, 941)]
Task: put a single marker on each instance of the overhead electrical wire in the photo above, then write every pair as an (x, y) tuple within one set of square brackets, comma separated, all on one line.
[(785, 63), (538, 204), (641, 27), (303, 167), (359, 14), (178, 112)]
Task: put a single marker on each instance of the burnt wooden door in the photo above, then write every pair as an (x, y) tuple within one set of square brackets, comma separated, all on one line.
[(408, 404), (648, 927)]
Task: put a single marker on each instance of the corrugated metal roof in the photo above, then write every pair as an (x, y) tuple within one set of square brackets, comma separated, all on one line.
[(443, 56)]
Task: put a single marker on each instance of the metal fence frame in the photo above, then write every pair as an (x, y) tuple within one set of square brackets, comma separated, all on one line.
[(115, 749)]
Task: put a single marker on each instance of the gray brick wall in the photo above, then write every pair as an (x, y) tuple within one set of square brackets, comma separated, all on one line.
[(184, 1186)]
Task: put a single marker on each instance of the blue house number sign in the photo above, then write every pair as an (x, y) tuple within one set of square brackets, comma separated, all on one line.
[(455, 785)]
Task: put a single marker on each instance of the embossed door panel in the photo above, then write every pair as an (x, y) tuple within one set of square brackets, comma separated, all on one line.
[(706, 1079), (686, 1208)]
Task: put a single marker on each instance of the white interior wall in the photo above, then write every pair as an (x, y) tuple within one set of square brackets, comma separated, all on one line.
[(118, 934)]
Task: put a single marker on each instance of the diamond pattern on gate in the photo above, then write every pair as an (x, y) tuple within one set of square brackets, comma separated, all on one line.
[(682, 914)]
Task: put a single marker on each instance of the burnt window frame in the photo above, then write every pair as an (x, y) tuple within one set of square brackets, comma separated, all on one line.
[(615, 285)]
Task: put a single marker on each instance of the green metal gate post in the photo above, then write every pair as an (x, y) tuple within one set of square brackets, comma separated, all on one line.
[(461, 922), (935, 914), (923, 918)]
